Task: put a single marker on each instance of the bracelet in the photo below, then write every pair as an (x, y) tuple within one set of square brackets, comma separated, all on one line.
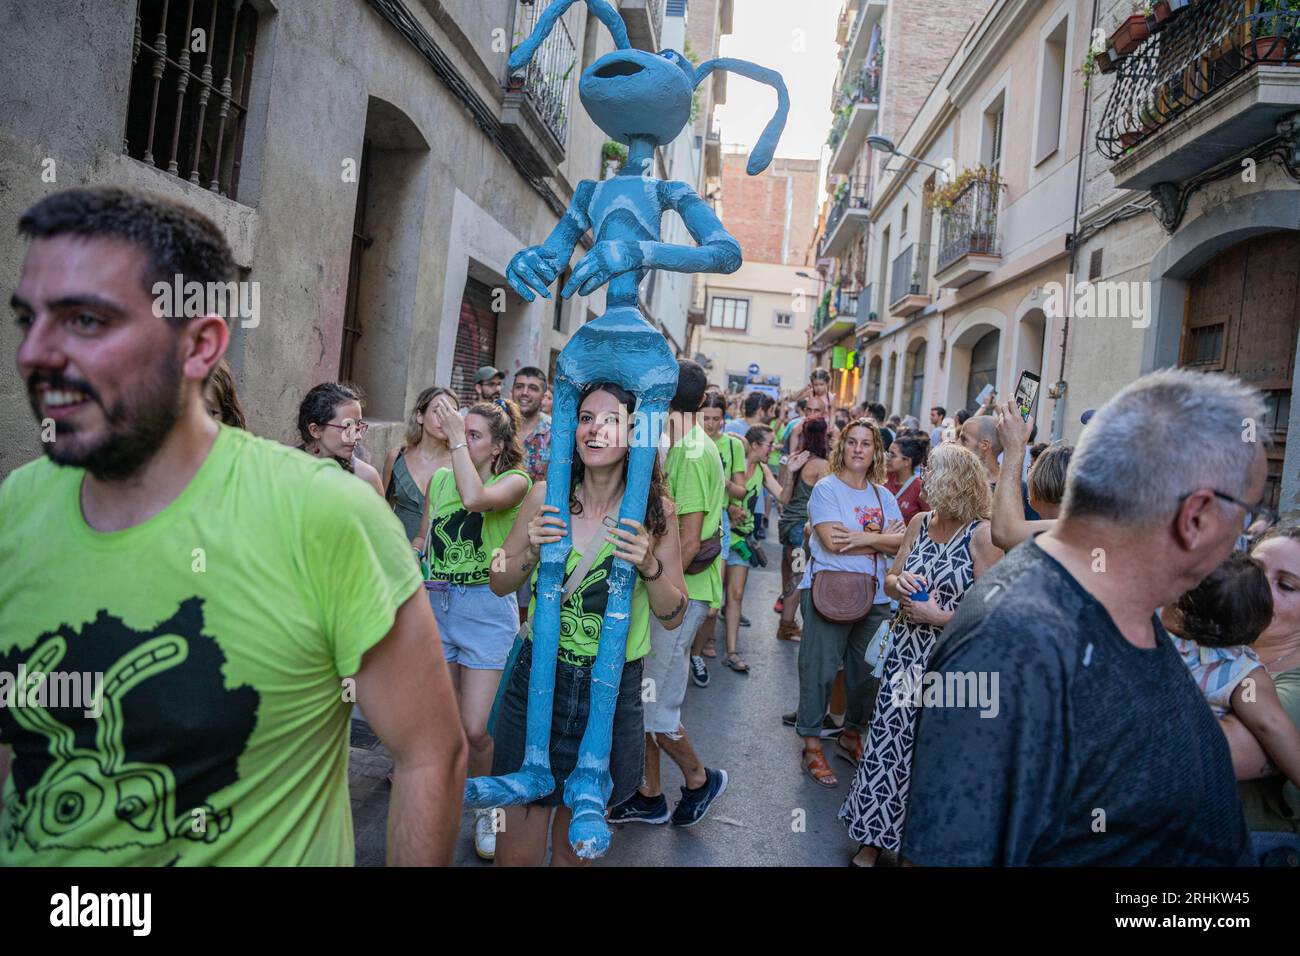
[(463, 444), (658, 574)]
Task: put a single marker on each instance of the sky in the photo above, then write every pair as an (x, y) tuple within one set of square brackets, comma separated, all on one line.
[(796, 38)]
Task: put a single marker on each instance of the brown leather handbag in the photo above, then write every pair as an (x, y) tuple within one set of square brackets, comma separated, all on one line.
[(708, 553), (846, 597)]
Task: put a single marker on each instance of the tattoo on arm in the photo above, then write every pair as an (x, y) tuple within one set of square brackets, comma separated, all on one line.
[(674, 612)]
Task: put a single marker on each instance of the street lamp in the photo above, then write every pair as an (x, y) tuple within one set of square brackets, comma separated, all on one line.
[(886, 145)]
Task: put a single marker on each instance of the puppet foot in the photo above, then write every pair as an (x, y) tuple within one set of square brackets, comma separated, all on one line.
[(512, 790), (585, 794)]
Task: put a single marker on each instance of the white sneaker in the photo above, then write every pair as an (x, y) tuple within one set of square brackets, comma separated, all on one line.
[(485, 837)]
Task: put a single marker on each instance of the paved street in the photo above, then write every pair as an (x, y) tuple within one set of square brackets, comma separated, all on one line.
[(735, 724)]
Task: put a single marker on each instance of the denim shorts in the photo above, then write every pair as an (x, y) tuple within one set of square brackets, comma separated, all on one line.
[(792, 537), (734, 559), (568, 723), (477, 627)]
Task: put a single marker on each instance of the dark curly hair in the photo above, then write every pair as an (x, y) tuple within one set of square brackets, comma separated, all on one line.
[(656, 518), (318, 408), (1230, 607)]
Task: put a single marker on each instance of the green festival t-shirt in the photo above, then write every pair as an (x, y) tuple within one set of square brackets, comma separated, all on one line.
[(694, 471), (220, 631), (731, 449), (463, 541), (743, 527), (583, 615)]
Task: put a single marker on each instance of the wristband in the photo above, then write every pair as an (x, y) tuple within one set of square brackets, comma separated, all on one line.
[(658, 573), (463, 444)]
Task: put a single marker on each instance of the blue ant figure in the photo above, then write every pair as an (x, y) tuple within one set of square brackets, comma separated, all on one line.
[(642, 100)]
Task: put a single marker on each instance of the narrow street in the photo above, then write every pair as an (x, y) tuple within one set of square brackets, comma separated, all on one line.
[(771, 815)]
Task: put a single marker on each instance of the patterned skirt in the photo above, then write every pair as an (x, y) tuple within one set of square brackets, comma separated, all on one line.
[(876, 806)]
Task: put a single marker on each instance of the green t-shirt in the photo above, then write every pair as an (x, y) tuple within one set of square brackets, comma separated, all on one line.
[(223, 628), (694, 471), (778, 436), (743, 527), (463, 541), (1273, 803), (731, 450), (583, 614)]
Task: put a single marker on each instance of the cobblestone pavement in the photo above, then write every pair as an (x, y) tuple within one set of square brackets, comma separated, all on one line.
[(771, 815)]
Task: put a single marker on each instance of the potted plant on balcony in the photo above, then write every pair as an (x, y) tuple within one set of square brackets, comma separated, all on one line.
[(1268, 43), (915, 287), (1133, 31)]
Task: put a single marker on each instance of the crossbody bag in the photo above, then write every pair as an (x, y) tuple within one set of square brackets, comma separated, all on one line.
[(842, 596)]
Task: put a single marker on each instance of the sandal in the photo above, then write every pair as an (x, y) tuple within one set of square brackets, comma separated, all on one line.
[(814, 763), (789, 631), (734, 661), (849, 743)]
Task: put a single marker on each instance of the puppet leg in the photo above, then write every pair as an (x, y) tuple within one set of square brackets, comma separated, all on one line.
[(534, 779), (589, 786)]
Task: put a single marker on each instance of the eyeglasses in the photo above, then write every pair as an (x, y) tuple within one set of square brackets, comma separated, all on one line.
[(356, 428), (1248, 508)]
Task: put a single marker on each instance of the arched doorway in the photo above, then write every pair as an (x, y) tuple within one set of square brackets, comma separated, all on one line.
[(1243, 318), (983, 366)]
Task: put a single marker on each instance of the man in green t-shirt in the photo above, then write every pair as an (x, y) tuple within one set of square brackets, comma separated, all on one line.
[(694, 472), (227, 599)]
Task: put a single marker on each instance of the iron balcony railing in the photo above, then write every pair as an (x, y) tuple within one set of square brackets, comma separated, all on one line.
[(863, 88), (855, 193), (547, 79), (970, 225), (909, 274), (867, 298), (849, 304), (1188, 58)]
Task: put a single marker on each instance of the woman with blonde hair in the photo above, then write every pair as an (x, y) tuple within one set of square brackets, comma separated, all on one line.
[(946, 550), (408, 468), (855, 521)]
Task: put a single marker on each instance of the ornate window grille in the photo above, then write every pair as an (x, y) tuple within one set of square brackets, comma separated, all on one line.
[(1188, 58), (547, 79), (971, 224), (192, 63)]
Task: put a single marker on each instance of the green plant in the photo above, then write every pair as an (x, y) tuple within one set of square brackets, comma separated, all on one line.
[(612, 150), (943, 197)]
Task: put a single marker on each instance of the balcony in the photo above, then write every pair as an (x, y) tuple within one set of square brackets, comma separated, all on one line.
[(909, 278), (852, 206), (644, 20), (832, 322), (1214, 81), (855, 48), (969, 244), (854, 119), (535, 109), (713, 153), (868, 321)]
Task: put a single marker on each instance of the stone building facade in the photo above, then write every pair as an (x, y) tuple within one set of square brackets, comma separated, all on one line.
[(371, 161)]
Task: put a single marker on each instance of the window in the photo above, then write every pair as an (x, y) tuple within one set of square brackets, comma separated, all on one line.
[(916, 390), (1205, 346), (784, 320), (1094, 265), (902, 231), (1051, 92), (557, 323), (730, 314), (189, 98), (991, 149)]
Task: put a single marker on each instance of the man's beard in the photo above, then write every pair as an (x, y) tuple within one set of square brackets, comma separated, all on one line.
[(138, 423)]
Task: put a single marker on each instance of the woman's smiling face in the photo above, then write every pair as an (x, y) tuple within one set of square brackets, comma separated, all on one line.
[(602, 430)]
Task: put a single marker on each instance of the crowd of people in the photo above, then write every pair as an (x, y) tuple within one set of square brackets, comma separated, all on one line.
[(1028, 653)]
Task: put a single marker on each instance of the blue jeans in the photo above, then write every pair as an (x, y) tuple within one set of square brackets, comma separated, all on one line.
[(1275, 848)]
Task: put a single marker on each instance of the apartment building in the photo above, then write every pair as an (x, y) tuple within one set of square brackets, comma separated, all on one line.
[(1191, 210), (373, 163), (756, 319), (891, 54)]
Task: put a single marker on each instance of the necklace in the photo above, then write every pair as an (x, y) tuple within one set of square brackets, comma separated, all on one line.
[(1272, 667)]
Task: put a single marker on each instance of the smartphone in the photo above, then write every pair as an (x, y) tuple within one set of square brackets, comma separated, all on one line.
[(985, 394), (1027, 392)]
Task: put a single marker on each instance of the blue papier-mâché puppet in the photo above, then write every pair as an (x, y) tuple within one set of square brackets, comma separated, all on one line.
[(642, 100)]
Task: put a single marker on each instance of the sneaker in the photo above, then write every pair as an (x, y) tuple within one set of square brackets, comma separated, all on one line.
[(694, 804), (744, 621), (485, 837), (640, 809), (829, 727), (699, 673)]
